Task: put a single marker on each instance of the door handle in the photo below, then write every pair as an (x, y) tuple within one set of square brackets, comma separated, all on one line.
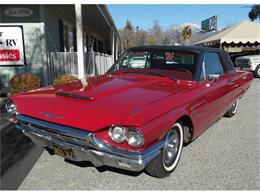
[(230, 82)]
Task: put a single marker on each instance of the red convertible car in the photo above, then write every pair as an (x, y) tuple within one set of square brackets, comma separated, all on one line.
[(138, 115)]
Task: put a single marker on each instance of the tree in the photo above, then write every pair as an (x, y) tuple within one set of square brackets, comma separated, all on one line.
[(127, 36), (186, 34), (141, 37), (166, 40), (129, 26), (254, 12), (173, 35), (156, 35), (252, 16), (131, 36)]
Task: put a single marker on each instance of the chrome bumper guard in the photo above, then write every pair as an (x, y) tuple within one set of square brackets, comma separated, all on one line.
[(85, 146)]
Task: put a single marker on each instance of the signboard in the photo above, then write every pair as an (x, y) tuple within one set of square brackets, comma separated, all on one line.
[(18, 12), (209, 24), (11, 46)]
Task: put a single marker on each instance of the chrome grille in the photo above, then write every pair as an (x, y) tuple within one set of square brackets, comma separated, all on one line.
[(58, 132), (243, 63)]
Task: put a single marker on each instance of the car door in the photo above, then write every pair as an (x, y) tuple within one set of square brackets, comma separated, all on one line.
[(232, 79), (209, 105)]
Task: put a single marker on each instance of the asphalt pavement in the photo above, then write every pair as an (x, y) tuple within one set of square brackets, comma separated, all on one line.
[(225, 157), (17, 153)]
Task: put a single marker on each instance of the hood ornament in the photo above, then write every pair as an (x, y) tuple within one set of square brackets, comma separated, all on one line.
[(50, 115), (135, 111)]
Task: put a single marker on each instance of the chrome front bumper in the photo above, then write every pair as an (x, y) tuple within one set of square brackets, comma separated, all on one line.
[(85, 146)]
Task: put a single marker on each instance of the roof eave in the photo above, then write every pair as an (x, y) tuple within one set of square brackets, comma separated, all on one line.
[(109, 18)]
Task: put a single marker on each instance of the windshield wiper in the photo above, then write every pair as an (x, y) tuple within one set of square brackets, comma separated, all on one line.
[(145, 72)]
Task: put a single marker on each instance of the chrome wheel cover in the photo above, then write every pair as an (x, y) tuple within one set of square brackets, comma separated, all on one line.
[(172, 148)]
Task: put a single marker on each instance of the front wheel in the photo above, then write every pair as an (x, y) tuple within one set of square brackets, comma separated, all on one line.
[(257, 71), (166, 162)]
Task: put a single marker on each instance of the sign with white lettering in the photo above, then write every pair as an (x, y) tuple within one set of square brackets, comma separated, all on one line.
[(209, 24), (11, 46), (18, 12)]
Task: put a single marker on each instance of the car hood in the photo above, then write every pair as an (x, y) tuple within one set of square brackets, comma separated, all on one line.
[(98, 102), (248, 57)]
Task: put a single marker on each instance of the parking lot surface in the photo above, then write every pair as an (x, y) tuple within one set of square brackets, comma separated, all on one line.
[(226, 156), (17, 153)]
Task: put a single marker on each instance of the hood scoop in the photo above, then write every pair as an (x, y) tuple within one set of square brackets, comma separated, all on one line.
[(73, 95)]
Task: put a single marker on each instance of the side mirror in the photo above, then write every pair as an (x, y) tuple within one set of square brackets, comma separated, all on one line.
[(213, 77)]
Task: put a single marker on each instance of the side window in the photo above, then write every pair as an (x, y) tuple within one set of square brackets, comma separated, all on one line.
[(228, 64), (212, 64)]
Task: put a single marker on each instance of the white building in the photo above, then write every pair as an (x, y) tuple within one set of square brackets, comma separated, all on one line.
[(62, 39)]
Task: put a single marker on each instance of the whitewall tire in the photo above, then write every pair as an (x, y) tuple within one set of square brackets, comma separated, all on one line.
[(167, 161), (233, 110)]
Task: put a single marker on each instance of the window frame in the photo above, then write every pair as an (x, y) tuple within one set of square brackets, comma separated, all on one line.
[(203, 71), (226, 62)]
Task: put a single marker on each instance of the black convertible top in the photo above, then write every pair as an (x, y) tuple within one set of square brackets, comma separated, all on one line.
[(224, 56), (177, 47)]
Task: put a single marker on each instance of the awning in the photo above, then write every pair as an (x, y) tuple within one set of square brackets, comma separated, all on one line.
[(244, 34)]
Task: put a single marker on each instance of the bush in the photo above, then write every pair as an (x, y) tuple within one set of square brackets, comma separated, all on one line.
[(24, 81), (64, 79)]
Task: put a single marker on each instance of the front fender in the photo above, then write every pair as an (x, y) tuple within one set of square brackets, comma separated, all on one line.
[(156, 129)]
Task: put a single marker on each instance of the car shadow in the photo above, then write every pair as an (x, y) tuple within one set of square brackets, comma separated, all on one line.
[(85, 164), (17, 155), (14, 147)]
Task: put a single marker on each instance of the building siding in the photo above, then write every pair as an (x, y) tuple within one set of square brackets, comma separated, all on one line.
[(33, 53)]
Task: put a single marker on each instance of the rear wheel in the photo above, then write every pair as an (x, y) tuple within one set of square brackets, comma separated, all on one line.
[(257, 71), (167, 161), (233, 110)]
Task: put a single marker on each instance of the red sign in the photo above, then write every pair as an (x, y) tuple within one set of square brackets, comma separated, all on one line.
[(9, 55), (12, 51)]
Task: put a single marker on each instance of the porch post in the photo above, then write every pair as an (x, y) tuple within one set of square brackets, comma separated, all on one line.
[(116, 57), (80, 49), (113, 46)]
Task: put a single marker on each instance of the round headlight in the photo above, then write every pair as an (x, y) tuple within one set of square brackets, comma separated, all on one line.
[(11, 107), (117, 134), (134, 138)]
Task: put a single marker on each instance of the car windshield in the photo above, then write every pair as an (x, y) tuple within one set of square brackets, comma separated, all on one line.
[(174, 64)]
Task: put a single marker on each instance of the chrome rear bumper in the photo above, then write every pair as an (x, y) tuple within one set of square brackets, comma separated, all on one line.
[(85, 146)]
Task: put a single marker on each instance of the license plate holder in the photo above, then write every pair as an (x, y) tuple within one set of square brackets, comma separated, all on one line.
[(64, 152)]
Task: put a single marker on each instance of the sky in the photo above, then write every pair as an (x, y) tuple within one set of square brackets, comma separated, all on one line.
[(172, 15)]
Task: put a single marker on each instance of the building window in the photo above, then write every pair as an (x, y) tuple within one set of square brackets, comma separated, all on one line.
[(100, 47), (74, 39), (67, 37)]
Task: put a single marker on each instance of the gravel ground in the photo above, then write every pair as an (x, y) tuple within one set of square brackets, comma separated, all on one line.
[(226, 157)]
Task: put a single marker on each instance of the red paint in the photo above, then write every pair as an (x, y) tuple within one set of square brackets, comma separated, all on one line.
[(151, 103), (10, 55)]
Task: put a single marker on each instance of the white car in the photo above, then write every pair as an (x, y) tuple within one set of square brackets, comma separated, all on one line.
[(250, 63), (137, 62)]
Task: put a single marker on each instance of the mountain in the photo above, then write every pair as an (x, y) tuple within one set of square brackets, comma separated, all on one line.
[(194, 27), (196, 36)]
